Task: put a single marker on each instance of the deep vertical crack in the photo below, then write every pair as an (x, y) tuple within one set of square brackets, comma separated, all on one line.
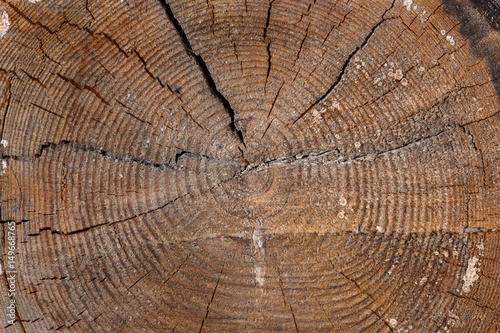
[(269, 9), (204, 69), (268, 48)]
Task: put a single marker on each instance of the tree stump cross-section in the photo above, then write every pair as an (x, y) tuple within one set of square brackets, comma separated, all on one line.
[(250, 165)]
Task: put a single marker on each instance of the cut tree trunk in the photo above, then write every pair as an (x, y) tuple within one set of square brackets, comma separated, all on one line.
[(250, 165)]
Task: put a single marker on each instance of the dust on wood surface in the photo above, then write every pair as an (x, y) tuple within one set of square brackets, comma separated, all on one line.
[(233, 166)]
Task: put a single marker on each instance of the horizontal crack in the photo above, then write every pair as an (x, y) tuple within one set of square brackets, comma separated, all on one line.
[(342, 160), (123, 158)]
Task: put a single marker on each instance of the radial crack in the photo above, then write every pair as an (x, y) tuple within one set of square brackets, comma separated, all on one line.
[(198, 156), (115, 156), (210, 302), (137, 215), (105, 153), (268, 48), (341, 160), (142, 277), (356, 284), (47, 110), (284, 297), (204, 69), (85, 87), (481, 156), (269, 9), (148, 71), (347, 62)]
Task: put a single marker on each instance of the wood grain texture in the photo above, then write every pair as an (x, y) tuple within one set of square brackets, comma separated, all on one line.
[(251, 165)]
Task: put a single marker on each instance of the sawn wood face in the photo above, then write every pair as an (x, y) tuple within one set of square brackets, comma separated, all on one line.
[(251, 166)]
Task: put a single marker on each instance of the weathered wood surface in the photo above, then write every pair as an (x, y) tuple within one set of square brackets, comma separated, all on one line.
[(248, 165)]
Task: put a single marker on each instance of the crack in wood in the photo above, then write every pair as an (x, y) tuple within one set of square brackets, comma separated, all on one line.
[(210, 302), (84, 87), (156, 78), (347, 63), (356, 284), (204, 70), (115, 156), (284, 297)]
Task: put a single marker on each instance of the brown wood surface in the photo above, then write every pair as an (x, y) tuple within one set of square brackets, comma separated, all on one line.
[(251, 165)]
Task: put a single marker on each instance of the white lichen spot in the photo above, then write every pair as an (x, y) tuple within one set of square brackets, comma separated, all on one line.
[(120, 175), (357, 144), (453, 315), (1, 270), (341, 214), (316, 116), (399, 74), (3, 166), (423, 280), (470, 275), (34, 1), (422, 68), (450, 39), (443, 32), (480, 246), (446, 254), (408, 4), (4, 24), (380, 228), (393, 322), (4, 143), (404, 82), (422, 17), (343, 201)]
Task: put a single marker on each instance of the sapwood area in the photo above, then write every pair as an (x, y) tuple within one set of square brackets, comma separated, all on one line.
[(250, 165)]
